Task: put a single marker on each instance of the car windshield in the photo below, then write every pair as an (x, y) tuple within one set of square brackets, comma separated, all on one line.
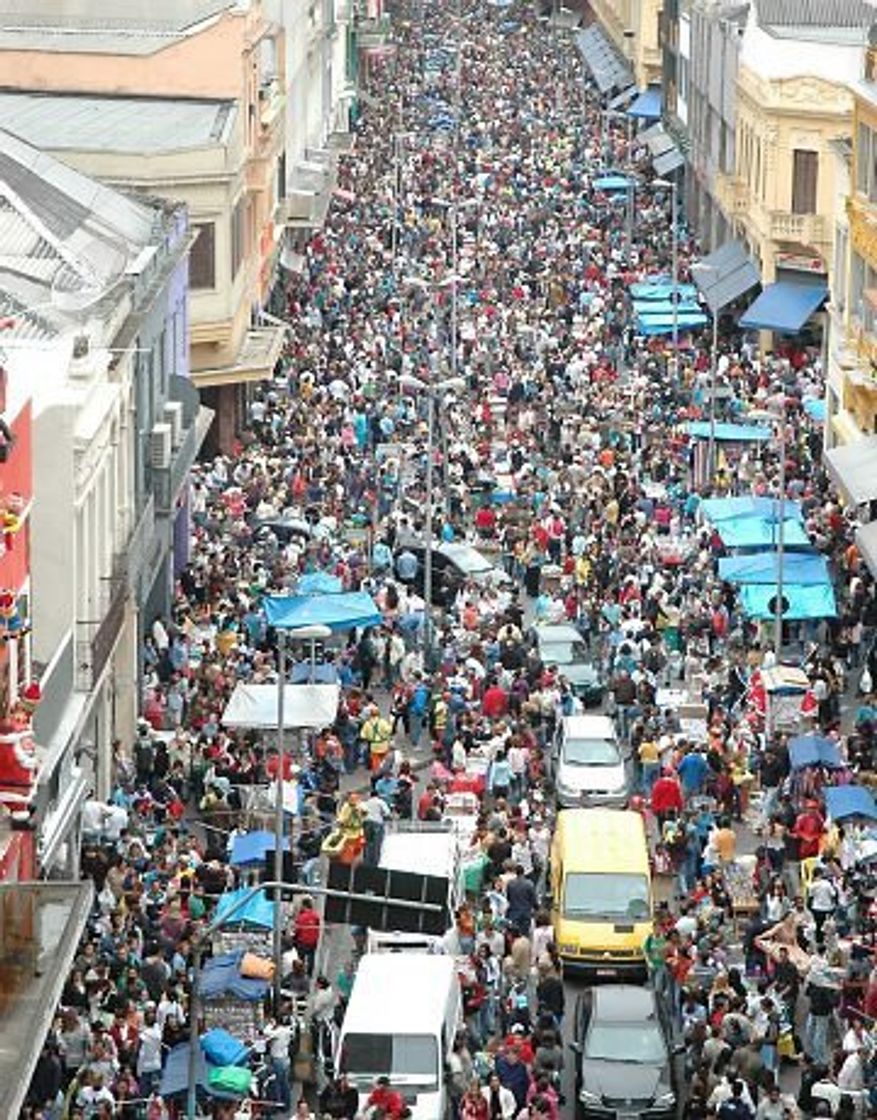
[(410, 1059), (634, 1042), (563, 653), (614, 898), (591, 752)]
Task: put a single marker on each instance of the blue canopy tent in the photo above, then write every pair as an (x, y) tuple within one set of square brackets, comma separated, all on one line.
[(806, 601), (759, 532), (647, 106), (660, 289), (252, 847), (728, 509), (318, 583), (850, 801), (258, 911), (728, 433), (763, 567), (649, 325), (344, 611), (664, 306), (610, 184), (814, 750), (784, 306), (815, 409)]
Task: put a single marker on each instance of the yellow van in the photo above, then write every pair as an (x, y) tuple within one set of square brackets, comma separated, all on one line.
[(601, 889)]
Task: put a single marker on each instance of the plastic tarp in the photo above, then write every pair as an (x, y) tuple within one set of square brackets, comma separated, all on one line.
[(805, 601), (850, 801), (662, 306), (175, 1075), (319, 583), (252, 847), (814, 750), (759, 532), (647, 106), (728, 433), (725, 275), (728, 509), (256, 911), (763, 567), (784, 306), (302, 672), (304, 705), (344, 611)]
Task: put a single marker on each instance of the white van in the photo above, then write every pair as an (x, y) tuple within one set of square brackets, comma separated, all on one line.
[(588, 764), (404, 1012)]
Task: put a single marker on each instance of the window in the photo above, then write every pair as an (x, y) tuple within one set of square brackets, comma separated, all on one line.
[(805, 172), (238, 235), (841, 248), (863, 157), (598, 896), (202, 257)]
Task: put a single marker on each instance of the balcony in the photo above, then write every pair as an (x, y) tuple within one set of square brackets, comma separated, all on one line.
[(801, 229), (732, 193)]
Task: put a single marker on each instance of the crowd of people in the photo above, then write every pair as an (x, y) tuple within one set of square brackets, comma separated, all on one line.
[(509, 385)]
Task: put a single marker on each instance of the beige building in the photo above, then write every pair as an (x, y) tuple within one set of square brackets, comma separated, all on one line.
[(793, 105), (633, 26), (182, 99)]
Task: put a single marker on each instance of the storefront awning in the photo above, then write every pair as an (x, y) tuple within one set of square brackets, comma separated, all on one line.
[(40, 927), (647, 106), (725, 275), (866, 542), (258, 355), (624, 98), (668, 162), (600, 55), (853, 470), (784, 306)]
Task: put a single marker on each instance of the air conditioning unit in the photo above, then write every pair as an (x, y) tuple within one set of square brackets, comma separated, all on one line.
[(173, 415), (160, 447)]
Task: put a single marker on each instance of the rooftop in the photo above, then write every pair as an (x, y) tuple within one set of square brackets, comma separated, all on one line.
[(140, 125), (835, 21), (123, 27), (65, 240)]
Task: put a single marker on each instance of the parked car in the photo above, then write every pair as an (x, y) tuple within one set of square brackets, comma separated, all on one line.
[(562, 645), (588, 765), (625, 1055)]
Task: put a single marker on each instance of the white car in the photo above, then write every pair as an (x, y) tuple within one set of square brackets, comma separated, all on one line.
[(588, 764)]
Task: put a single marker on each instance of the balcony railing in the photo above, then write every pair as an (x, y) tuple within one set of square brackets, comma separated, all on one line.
[(372, 31), (804, 229), (96, 637)]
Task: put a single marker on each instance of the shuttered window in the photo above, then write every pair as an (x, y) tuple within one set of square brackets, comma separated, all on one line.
[(805, 173)]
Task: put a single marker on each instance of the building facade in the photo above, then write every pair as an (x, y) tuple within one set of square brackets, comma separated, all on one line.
[(95, 308), (793, 102), (206, 76)]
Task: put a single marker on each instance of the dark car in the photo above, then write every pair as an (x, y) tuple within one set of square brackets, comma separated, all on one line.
[(452, 566), (562, 645), (625, 1055)]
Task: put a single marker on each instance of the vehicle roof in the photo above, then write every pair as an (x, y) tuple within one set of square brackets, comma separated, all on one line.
[(426, 853), (557, 632), (623, 1003), (612, 840), (588, 727), (402, 993)]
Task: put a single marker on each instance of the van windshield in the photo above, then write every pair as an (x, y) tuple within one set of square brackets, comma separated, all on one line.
[(409, 1059), (615, 898), (591, 752)]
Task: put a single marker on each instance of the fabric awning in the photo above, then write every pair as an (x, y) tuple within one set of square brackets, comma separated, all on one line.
[(345, 611), (647, 106), (731, 433), (842, 802), (814, 750), (609, 70), (725, 275), (805, 601), (611, 184), (763, 567), (853, 470), (784, 306), (866, 542), (623, 98), (668, 162), (259, 353)]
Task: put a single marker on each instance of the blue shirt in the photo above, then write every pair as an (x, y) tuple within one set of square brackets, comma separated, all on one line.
[(692, 771)]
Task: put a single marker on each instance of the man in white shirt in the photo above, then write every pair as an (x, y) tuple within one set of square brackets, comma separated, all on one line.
[(377, 813), (279, 1036)]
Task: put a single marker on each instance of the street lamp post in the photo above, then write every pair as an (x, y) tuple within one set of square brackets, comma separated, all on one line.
[(778, 418)]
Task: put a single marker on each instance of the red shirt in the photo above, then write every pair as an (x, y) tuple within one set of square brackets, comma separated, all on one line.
[(307, 929), (388, 1100), (494, 703), (666, 795)]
